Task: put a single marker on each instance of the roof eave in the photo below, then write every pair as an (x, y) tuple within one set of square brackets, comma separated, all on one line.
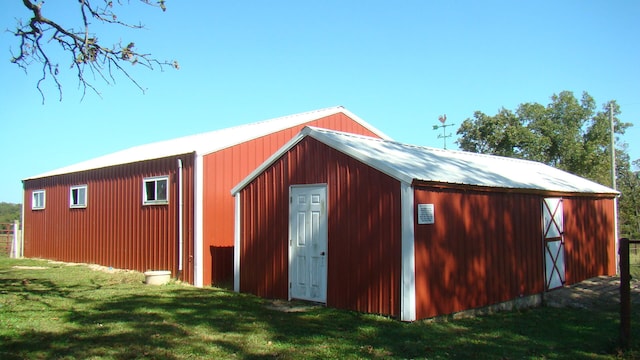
[(69, 169), (494, 189)]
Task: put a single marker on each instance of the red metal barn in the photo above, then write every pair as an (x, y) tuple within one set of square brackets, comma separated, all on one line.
[(161, 206), (412, 232)]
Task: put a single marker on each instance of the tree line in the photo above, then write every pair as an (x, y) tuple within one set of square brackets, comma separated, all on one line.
[(9, 212), (568, 133)]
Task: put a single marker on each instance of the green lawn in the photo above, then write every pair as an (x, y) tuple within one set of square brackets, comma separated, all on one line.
[(71, 312)]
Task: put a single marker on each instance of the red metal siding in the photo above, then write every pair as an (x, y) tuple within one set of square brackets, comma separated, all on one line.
[(264, 249), (115, 229), (589, 238), (484, 248), (226, 168), (364, 245)]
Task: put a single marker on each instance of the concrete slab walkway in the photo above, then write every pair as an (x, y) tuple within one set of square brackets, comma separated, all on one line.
[(594, 293)]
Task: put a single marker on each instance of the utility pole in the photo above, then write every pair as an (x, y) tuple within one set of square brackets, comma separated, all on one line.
[(613, 147), (443, 119), (615, 207)]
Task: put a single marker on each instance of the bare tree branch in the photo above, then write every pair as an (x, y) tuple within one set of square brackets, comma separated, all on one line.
[(82, 46)]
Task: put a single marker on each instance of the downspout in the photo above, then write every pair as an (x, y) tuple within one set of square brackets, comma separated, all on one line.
[(180, 219)]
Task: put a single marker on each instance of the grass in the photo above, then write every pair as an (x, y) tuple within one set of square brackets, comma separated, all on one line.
[(71, 312)]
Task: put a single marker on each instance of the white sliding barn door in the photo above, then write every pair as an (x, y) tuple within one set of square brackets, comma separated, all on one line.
[(553, 234)]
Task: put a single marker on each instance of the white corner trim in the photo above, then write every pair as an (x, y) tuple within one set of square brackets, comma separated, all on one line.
[(236, 244), (408, 284), (198, 273), (370, 127)]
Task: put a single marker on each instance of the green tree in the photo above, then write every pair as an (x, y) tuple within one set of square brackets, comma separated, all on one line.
[(568, 133), (9, 212), (502, 134), (628, 182), (42, 39)]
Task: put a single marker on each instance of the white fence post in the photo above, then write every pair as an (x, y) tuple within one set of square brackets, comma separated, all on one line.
[(16, 244)]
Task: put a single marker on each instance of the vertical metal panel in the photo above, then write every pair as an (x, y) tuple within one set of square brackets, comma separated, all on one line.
[(589, 238), (484, 248), (364, 245), (115, 229), (226, 168)]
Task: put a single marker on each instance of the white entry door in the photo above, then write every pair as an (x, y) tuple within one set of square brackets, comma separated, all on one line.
[(308, 243), (553, 230)]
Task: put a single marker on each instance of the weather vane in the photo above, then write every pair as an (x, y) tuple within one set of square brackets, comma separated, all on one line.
[(443, 119)]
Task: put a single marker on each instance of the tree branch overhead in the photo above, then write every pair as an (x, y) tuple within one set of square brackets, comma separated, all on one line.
[(84, 48)]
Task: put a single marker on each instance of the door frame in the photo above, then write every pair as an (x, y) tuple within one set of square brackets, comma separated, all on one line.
[(553, 243), (323, 248)]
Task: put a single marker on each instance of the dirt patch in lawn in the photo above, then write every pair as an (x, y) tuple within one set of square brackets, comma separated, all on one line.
[(94, 267), (291, 306)]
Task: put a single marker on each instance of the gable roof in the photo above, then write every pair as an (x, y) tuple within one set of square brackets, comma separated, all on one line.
[(206, 143), (409, 163)]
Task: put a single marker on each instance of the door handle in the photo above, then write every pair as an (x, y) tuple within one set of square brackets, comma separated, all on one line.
[(322, 253)]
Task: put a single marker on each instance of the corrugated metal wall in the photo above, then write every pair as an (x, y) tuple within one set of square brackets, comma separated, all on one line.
[(364, 245), (590, 248), (225, 169), (483, 248), (115, 229)]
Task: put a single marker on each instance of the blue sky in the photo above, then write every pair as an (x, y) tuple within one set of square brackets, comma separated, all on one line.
[(398, 65)]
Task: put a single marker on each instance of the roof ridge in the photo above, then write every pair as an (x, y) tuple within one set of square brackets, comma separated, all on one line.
[(201, 143), (336, 108), (240, 126)]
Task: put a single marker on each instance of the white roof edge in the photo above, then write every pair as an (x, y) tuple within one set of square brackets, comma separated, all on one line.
[(199, 143), (318, 135), (408, 177), (324, 112), (359, 120), (376, 163), (371, 161), (275, 156)]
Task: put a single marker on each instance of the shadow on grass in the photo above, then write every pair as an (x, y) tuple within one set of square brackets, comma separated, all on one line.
[(175, 322)]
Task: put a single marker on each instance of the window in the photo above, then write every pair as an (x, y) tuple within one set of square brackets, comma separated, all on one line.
[(78, 196), (155, 190), (37, 200)]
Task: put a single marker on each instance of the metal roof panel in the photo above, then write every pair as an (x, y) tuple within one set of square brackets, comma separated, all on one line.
[(205, 143), (409, 163)]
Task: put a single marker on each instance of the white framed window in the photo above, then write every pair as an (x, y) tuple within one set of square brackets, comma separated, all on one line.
[(78, 196), (38, 200), (155, 190)]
